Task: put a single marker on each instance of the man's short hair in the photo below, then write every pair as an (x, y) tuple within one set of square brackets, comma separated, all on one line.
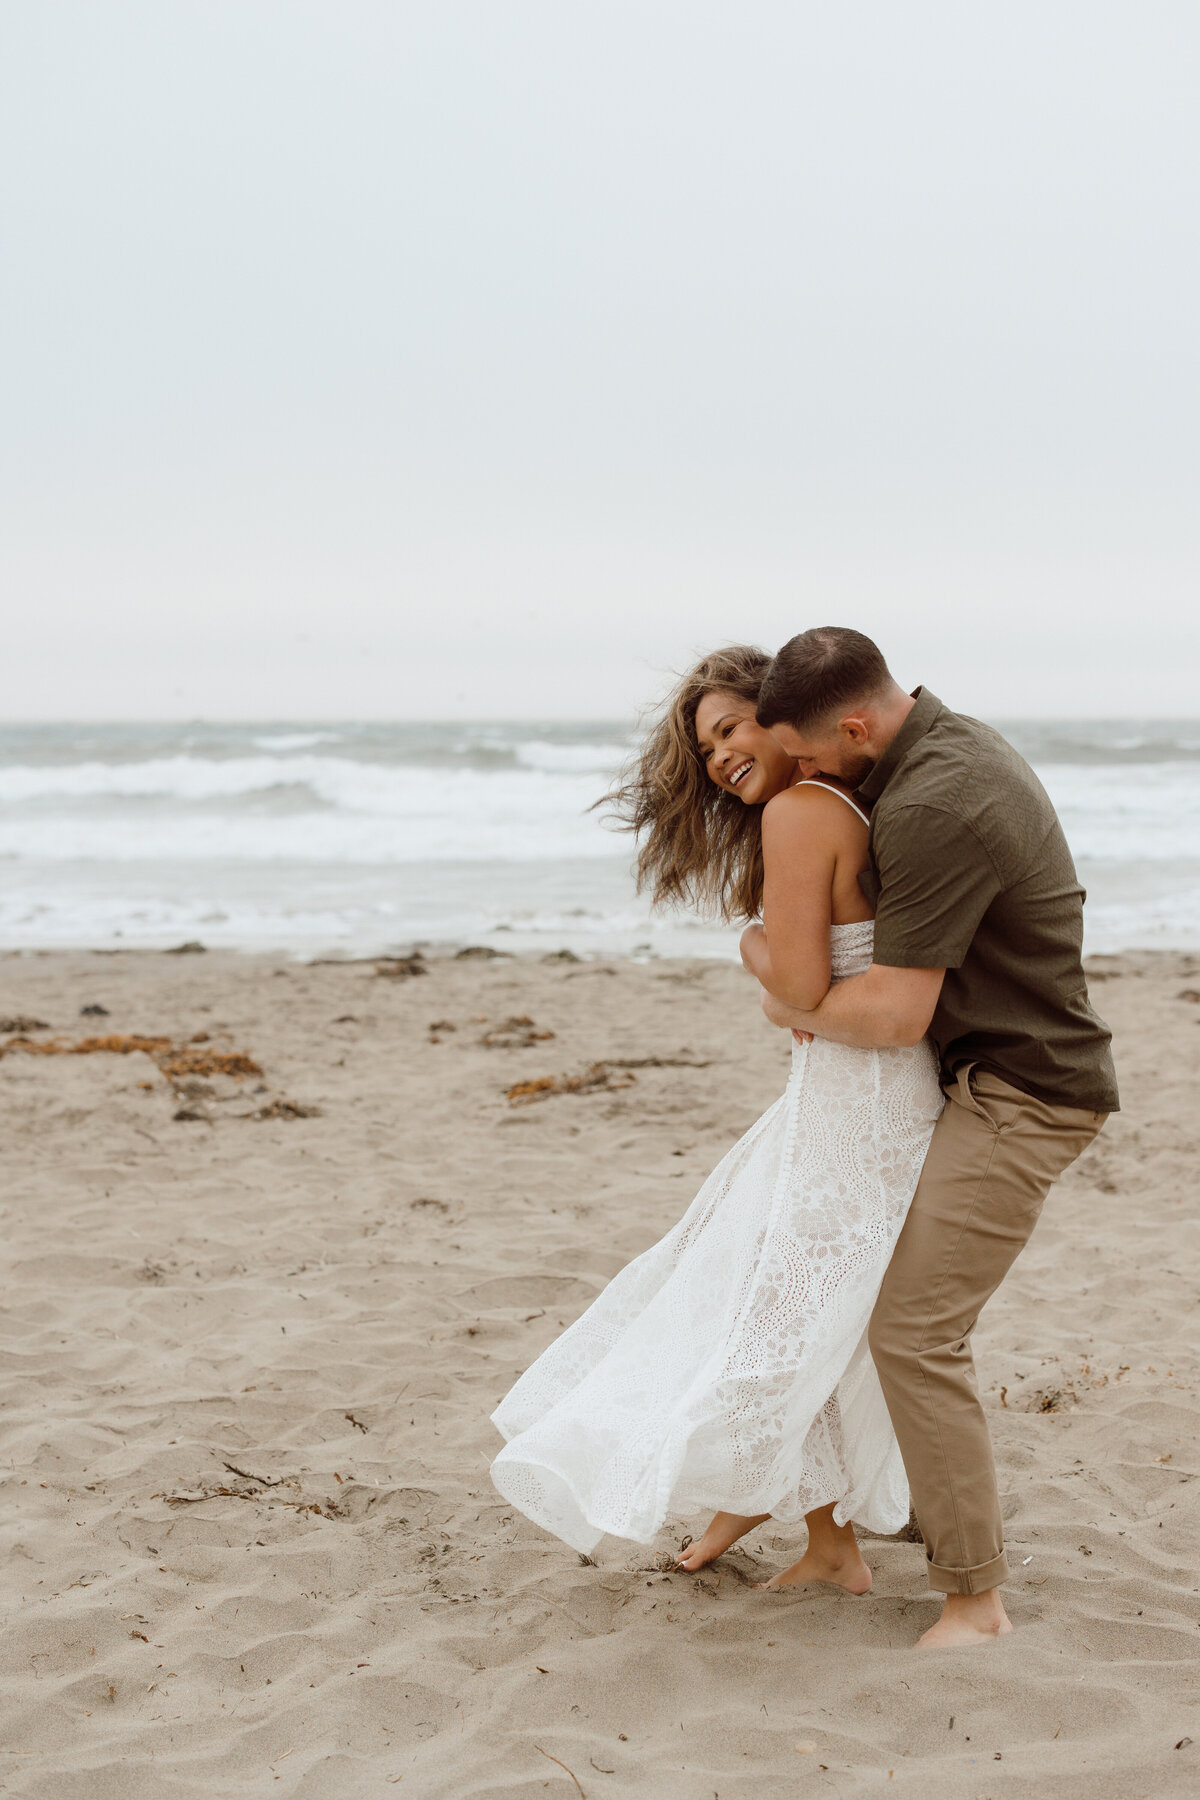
[(820, 673)]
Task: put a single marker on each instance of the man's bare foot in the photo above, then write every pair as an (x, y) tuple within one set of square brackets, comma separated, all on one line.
[(967, 1619), (725, 1529), (840, 1564)]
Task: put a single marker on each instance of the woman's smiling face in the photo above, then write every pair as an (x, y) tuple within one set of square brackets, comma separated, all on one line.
[(739, 754)]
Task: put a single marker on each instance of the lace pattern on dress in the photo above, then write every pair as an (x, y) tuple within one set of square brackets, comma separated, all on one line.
[(726, 1368)]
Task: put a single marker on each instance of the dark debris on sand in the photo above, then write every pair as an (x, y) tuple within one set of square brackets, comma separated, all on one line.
[(185, 1066), (400, 968), (286, 1109), (601, 1077), (517, 1033)]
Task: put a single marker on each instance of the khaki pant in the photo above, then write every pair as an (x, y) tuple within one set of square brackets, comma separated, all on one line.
[(994, 1154)]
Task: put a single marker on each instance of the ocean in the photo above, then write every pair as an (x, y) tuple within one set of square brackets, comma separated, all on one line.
[(360, 838)]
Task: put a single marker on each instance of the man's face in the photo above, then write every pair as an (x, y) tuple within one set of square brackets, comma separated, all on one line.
[(836, 749)]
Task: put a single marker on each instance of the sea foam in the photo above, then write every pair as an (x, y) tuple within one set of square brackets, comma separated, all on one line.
[(370, 835)]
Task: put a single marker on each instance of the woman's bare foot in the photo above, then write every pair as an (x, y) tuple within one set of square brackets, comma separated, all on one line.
[(833, 1555), (968, 1619), (845, 1571), (725, 1529)]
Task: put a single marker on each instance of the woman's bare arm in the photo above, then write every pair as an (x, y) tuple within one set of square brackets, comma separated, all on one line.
[(804, 833)]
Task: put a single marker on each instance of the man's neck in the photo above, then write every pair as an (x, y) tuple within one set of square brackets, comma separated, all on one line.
[(890, 715)]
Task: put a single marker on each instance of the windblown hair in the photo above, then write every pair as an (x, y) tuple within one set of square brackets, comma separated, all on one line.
[(697, 844), (819, 672)]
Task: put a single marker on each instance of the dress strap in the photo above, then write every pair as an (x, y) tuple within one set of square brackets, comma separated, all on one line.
[(841, 794)]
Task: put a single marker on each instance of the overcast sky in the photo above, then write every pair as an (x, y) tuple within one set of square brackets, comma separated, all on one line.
[(440, 359)]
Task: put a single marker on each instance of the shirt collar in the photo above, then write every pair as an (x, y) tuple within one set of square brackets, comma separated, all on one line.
[(926, 709)]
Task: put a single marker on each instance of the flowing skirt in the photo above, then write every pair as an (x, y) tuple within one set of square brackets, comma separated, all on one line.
[(726, 1369)]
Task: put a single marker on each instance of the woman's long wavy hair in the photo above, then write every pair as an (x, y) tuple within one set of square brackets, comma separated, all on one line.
[(697, 844)]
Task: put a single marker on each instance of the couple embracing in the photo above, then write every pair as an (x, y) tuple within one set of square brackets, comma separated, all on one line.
[(798, 1348)]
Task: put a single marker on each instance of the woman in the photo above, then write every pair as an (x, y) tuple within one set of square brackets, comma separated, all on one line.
[(727, 1367)]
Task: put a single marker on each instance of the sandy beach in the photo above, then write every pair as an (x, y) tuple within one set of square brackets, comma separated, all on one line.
[(269, 1273)]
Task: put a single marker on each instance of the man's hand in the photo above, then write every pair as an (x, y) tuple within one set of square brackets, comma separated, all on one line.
[(784, 1016)]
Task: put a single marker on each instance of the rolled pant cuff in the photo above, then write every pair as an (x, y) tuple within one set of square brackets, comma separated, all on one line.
[(967, 1581)]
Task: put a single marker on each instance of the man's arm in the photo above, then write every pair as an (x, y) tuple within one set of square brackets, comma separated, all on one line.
[(877, 1010), (778, 1012), (937, 879)]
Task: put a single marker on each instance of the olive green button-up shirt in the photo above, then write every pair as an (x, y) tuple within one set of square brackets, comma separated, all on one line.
[(970, 872)]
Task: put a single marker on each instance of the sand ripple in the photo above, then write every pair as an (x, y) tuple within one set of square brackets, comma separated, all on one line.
[(250, 1543)]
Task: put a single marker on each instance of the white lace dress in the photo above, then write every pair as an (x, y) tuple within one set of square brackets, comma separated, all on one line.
[(727, 1369)]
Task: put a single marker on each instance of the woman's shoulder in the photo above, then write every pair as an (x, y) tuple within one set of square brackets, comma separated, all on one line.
[(809, 806)]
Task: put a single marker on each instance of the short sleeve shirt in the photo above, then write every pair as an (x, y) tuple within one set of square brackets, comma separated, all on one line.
[(970, 872)]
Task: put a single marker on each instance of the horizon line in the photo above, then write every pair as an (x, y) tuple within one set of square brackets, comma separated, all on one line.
[(530, 718)]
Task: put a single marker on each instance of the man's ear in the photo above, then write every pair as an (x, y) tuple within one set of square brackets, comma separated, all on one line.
[(855, 728)]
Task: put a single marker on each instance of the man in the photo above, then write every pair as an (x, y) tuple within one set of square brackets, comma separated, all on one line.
[(978, 941)]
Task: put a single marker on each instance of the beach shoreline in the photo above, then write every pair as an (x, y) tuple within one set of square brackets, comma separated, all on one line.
[(373, 837), (259, 1311)]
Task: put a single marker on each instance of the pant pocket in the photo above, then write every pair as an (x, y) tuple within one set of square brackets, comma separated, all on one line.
[(1000, 1112)]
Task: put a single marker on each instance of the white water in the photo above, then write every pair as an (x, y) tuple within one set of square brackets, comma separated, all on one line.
[(369, 837)]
